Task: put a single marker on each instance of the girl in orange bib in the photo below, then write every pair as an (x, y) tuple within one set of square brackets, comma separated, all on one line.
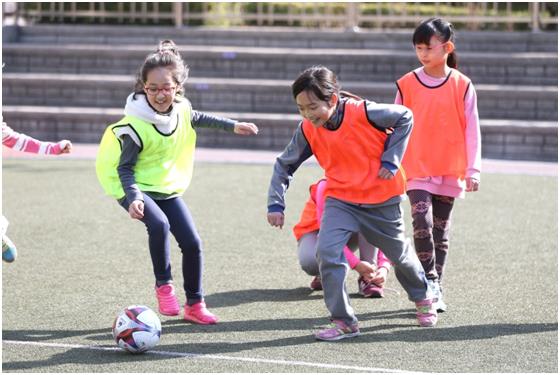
[(359, 144), (442, 159)]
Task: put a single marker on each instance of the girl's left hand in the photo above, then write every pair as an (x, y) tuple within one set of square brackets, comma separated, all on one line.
[(472, 184), (65, 146), (245, 128), (384, 173), (380, 276)]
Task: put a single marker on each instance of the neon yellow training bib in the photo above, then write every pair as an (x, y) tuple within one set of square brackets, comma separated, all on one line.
[(165, 162)]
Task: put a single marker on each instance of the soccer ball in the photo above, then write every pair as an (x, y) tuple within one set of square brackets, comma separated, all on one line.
[(137, 329)]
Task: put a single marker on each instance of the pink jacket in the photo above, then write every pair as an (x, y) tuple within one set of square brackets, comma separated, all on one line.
[(352, 259), (25, 143)]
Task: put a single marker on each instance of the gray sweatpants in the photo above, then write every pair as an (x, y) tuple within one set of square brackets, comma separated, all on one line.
[(383, 227)]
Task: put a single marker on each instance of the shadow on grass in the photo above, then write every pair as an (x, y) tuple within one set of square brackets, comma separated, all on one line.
[(378, 334), (240, 297), (38, 335)]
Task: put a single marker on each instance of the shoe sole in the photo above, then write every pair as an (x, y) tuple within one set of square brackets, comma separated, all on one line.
[(440, 306), (428, 325), (167, 313), (341, 337), (196, 321)]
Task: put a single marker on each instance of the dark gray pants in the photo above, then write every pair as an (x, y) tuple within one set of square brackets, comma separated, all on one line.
[(383, 227)]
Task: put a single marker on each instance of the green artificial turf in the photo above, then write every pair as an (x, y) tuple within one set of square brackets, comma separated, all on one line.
[(82, 259)]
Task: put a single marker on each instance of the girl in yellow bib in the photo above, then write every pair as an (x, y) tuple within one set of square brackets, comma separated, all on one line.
[(442, 160), (145, 161), (359, 144)]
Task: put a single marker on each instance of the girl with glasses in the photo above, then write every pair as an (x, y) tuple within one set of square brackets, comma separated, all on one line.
[(442, 159), (145, 161)]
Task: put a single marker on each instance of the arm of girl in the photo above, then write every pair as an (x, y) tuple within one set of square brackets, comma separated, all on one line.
[(125, 169), (396, 120), (472, 138), (205, 120), (286, 164), (25, 143)]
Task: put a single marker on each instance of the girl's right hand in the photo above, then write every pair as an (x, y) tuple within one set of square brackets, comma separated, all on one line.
[(245, 128), (380, 276), (276, 219), (136, 209)]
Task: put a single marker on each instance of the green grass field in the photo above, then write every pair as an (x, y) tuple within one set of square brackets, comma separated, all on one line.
[(82, 259)]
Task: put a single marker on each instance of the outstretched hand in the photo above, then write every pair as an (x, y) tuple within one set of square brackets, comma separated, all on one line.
[(65, 146), (276, 219), (245, 128)]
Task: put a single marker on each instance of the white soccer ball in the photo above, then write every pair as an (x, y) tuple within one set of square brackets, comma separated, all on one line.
[(137, 329)]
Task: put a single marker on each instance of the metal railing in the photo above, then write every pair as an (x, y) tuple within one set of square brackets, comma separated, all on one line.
[(533, 16)]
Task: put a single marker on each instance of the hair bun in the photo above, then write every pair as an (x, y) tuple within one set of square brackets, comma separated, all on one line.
[(167, 46)]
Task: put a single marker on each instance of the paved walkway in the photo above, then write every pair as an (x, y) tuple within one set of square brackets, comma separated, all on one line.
[(88, 151)]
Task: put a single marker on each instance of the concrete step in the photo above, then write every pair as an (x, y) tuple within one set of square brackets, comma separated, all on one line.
[(278, 63), (502, 139), (481, 41), (254, 95)]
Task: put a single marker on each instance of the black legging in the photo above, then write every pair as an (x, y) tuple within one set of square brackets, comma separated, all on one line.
[(172, 215)]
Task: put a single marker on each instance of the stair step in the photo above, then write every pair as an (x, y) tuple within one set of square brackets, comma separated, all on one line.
[(482, 41), (529, 68), (503, 139), (254, 95)]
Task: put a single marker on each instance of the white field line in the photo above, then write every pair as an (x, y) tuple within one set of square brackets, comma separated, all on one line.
[(209, 356)]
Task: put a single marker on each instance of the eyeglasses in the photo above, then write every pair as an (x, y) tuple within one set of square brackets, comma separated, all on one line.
[(153, 91), (421, 48)]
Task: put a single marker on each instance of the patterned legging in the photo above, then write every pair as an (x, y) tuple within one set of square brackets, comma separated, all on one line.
[(431, 221)]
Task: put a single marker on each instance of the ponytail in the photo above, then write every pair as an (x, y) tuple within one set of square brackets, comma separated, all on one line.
[(452, 60)]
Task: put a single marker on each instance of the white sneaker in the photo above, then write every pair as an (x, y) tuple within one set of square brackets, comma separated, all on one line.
[(438, 295)]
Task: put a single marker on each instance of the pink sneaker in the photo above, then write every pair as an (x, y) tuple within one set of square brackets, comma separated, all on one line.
[(369, 290), (167, 300), (338, 330), (316, 283), (426, 313), (199, 314)]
